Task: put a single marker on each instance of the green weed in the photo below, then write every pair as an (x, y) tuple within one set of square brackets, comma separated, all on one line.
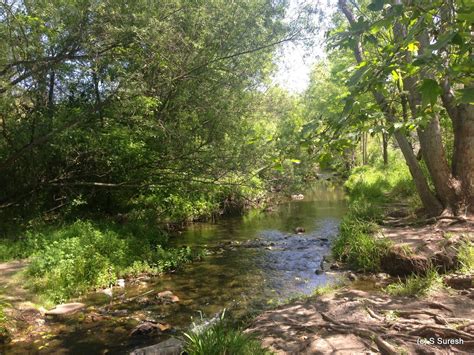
[(466, 257), (416, 285), (219, 339), (83, 256)]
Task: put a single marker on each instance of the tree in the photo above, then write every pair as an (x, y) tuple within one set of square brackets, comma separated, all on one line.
[(104, 101), (415, 58)]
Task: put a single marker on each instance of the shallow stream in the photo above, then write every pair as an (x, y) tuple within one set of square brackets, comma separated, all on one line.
[(254, 261)]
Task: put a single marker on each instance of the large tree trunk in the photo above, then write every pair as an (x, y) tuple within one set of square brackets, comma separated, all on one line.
[(446, 186), (462, 117), (431, 204)]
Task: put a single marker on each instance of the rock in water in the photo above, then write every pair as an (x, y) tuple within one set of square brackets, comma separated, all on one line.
[(149, 328), (299, 230), (167, 297), (65, 309), (171, 346)]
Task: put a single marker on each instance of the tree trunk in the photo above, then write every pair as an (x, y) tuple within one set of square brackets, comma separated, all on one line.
[(430, 202), (385, 148), (462, 117), (434, 155)]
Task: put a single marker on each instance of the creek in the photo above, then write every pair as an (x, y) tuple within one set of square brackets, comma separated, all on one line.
[(253, 262)]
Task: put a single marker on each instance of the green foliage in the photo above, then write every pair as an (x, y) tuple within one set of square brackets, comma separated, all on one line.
[(370, 187), (358, 246), (380, 184), (220, 339), (466, 256), (81, 256), (4, 333), (416, 285)]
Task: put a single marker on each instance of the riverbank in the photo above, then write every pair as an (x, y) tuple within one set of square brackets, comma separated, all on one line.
[(409, 286), (382, 313)]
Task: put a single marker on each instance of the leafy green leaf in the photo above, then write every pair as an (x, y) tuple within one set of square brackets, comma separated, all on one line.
[(376, 5), (467, 95), (430, 90)]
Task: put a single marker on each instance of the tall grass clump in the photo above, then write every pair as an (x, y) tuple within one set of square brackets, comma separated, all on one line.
[(81, 256), (416, 285), (357, 245), (220, 339), (369, 188), (466, 257)]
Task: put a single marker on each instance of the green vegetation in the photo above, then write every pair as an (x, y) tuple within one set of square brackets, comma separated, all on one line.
[(220, 339), (370, 188), (72, 259), (4, 333), (466, 257), (416, 285)]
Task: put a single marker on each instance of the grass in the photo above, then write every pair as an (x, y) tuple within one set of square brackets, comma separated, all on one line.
[(219, 339), (68, 260), (466, 257), (369, 189), (4, 333), (416, 285), (327, 289), (357, 245)]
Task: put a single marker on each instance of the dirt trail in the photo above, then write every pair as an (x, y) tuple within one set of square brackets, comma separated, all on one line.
[(11, 285)]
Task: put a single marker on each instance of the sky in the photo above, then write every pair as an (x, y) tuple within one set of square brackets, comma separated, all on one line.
[(296, 61)]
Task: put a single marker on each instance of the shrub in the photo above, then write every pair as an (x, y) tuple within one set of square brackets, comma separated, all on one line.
[(81, 256)]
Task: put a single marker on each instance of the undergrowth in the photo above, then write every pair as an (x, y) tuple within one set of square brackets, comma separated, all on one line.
[(369, 188), (75, 258), (466, 257), (416, 285), (221, 339), (4, 333)]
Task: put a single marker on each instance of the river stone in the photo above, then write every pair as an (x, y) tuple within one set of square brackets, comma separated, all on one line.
[(299, 230), (171, 346), (65, 309), (168, 296)]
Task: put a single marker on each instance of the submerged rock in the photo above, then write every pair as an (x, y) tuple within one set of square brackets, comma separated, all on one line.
[(167, 297), (149, 328), (171, 346), (299, 230), (65, 309)]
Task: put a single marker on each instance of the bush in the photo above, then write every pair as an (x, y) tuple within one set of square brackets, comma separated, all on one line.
[(81, 256), (378, 184), (220, 339)]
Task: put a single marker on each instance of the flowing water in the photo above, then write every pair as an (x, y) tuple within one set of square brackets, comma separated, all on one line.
[(254, 261)]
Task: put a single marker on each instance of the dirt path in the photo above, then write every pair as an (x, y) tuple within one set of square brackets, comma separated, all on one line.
[(11, 284)]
